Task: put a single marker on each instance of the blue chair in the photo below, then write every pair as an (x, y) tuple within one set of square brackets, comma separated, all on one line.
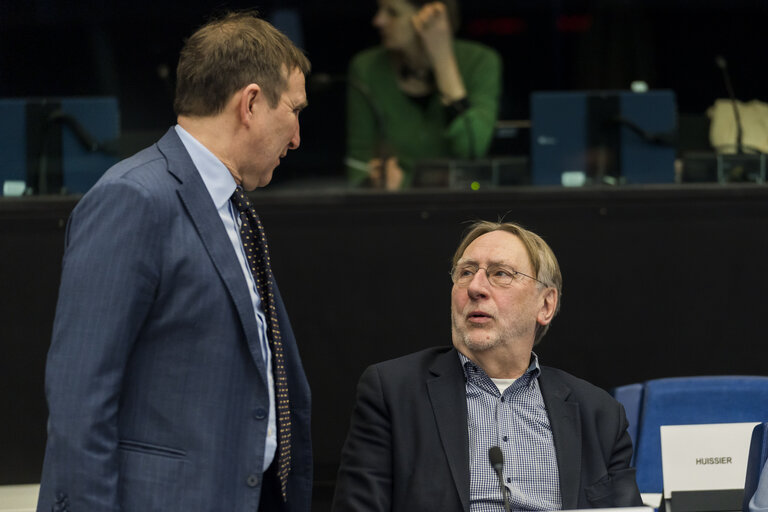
[(631, 397), (691, 401), (758, 453)]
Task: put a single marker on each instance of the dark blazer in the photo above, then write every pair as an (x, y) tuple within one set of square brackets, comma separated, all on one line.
[(408, 446), (156, 385)]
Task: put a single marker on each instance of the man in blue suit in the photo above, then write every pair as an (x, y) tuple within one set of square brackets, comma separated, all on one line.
[(173, 379)]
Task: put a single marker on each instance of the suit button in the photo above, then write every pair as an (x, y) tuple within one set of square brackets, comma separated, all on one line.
[(253, 481), (259, 414)]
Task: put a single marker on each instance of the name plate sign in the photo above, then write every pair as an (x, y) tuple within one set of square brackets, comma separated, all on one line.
[(704, 457)]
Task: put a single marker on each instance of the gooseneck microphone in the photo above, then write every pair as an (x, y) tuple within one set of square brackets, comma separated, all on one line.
[(496, 458), (86, 140), (723, 65)]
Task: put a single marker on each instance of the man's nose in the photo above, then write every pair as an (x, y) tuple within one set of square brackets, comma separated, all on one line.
[(479, 285), (296, 139)]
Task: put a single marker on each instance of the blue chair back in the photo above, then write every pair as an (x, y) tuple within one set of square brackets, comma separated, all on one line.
[(631, 397), (692, 401), (758, 453)]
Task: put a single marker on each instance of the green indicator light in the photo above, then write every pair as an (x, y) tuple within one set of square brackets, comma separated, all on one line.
[(475, 185)]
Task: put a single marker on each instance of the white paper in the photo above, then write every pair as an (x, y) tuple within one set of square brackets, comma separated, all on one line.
[(704, 457)]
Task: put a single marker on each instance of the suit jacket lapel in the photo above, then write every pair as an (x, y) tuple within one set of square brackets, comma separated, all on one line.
[(566, 432), (198, 204), (447, 394)]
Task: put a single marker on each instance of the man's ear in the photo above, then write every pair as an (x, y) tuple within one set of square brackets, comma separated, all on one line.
[(249, 98), (548, 306)]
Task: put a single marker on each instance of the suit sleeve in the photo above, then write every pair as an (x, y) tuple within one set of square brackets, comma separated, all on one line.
[(109, 278), (619, 487), (364, 482)]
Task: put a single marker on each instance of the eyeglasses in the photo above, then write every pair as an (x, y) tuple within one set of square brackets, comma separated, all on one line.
[(499, 276)]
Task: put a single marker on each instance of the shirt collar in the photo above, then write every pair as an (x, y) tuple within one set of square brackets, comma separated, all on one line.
[(216, 177), (471, 370)]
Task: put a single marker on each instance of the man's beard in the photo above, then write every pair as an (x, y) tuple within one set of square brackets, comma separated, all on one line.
[(481, 339)]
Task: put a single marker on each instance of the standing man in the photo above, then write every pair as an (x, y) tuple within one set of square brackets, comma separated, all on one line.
[(173, 379), (424, 424)]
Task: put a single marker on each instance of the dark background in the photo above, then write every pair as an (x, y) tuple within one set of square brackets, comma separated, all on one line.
[(130, 50)]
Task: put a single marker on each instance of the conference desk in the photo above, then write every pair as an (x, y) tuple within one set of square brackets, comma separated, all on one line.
[(658, 281)]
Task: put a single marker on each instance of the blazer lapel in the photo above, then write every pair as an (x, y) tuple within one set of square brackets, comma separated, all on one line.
[(447, 394), (198, 204), (566, 432)]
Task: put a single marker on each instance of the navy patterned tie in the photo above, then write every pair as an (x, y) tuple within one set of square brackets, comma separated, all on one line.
[(255, 244)]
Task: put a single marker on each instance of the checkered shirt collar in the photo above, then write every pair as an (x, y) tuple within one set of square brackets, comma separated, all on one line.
[(473, 373)]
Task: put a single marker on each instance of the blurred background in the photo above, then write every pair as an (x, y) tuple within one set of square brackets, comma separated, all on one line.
[(129, 50)]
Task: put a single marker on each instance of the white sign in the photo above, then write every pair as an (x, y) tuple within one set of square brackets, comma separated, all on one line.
[(704, 457)]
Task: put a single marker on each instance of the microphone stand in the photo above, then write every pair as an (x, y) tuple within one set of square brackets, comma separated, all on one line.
[(737, 172), (723, 65)]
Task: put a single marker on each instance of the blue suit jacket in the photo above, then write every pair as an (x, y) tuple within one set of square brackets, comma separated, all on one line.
[(408, 447), (155, 380)]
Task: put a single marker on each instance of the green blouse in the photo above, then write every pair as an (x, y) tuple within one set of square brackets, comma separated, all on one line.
[(412, 129)]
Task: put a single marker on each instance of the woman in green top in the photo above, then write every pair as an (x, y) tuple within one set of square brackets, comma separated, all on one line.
[(420, 94)]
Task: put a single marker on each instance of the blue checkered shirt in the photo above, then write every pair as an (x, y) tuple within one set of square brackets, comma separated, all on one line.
[(517, 422)]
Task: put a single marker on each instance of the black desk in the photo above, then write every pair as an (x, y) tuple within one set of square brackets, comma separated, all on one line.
[(658, 281)]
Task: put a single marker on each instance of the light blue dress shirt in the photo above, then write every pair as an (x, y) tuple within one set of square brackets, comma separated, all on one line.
[(221, 185)]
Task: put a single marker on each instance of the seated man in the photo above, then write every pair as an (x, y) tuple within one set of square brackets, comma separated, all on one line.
[(423, 424)]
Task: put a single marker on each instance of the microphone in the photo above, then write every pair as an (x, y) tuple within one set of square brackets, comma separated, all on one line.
[(496, 458), (723, 65), (658, 138), (86, 140)]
